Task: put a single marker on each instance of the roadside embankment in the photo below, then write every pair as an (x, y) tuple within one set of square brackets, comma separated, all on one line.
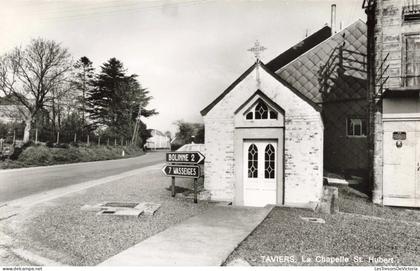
[(38, 155)]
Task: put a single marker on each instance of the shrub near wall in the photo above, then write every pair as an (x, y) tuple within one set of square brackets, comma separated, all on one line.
[(42, 155)]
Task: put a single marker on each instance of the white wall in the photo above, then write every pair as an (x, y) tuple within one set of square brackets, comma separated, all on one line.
[(303, 141)]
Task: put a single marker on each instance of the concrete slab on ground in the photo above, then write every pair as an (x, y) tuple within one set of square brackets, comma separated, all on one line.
[(13, 207), (203, 240)]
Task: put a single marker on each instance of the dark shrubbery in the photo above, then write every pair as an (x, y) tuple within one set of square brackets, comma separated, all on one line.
[(18, 150), (38, 155)]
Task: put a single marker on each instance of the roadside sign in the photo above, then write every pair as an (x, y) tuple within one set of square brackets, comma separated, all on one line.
[(188, 157), (185, 171)]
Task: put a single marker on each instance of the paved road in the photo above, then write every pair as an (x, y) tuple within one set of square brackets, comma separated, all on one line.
[(17, 183)]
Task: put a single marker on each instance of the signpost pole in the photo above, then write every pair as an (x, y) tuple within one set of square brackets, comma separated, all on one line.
[(173, 187), (195, 190), (184, 165)]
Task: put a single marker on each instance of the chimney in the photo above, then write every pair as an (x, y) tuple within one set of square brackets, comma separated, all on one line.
[(333, 22)]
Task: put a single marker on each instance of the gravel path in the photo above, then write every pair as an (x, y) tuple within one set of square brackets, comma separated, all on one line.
[(60, 231), (284, 234), (351, 203)]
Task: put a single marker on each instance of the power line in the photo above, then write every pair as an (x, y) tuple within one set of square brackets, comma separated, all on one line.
[(124, 10), (47, 8)]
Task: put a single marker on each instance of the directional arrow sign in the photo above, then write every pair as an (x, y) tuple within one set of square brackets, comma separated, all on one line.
[(188, 157), (186, 171)]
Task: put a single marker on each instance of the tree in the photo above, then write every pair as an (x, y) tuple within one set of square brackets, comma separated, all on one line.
[(168, 134), (83, 76), (114, 100), (60, 104), (190, 132), (30, 75)]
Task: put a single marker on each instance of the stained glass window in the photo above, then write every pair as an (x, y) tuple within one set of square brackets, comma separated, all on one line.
[(252, 161), (273, 115), (270, 161), (261, 111)]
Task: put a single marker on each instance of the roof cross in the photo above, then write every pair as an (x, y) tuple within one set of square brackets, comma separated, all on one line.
[(257, 49)]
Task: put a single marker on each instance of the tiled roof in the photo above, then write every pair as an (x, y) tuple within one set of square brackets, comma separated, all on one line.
[(275, 76), (299, 48), (333, 70)]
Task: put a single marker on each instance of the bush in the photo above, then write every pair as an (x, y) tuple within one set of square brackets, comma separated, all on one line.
[(36, 155), (18, 150)]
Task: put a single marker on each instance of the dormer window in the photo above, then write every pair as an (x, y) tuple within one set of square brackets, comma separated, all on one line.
[(411, 11), (261, 111)]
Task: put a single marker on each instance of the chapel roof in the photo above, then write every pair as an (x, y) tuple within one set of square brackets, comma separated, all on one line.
[(319, 64), (244, 75), (299, 48), (333, 70)]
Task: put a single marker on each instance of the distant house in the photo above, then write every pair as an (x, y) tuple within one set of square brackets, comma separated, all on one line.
[(157, 141)]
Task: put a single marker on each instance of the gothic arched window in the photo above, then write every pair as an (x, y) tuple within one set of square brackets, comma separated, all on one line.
[(252, 161), (270, 161), (261, 112)]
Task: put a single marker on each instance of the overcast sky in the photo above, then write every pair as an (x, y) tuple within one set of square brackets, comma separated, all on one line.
[(185, 52)]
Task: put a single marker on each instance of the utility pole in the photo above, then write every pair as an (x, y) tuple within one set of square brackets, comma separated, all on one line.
[(136, 127)]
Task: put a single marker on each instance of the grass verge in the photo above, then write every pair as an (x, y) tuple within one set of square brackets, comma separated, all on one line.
[(38, 155)]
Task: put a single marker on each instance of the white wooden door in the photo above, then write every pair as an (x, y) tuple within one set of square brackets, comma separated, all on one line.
[(417, 166), (260, 172), (401, 158)]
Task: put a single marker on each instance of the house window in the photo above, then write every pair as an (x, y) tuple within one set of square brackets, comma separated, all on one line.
[(411, 60), (261, 112), (356, 127)]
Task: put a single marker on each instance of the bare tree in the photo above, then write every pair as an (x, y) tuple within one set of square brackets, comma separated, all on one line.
[(59, 102), (31, 74)]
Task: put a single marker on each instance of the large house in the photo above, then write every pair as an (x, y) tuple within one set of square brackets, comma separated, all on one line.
[(157, 141), (12, 113), (394, 77)]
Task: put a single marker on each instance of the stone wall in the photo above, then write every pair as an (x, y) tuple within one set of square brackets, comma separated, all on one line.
[(303, 141)]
